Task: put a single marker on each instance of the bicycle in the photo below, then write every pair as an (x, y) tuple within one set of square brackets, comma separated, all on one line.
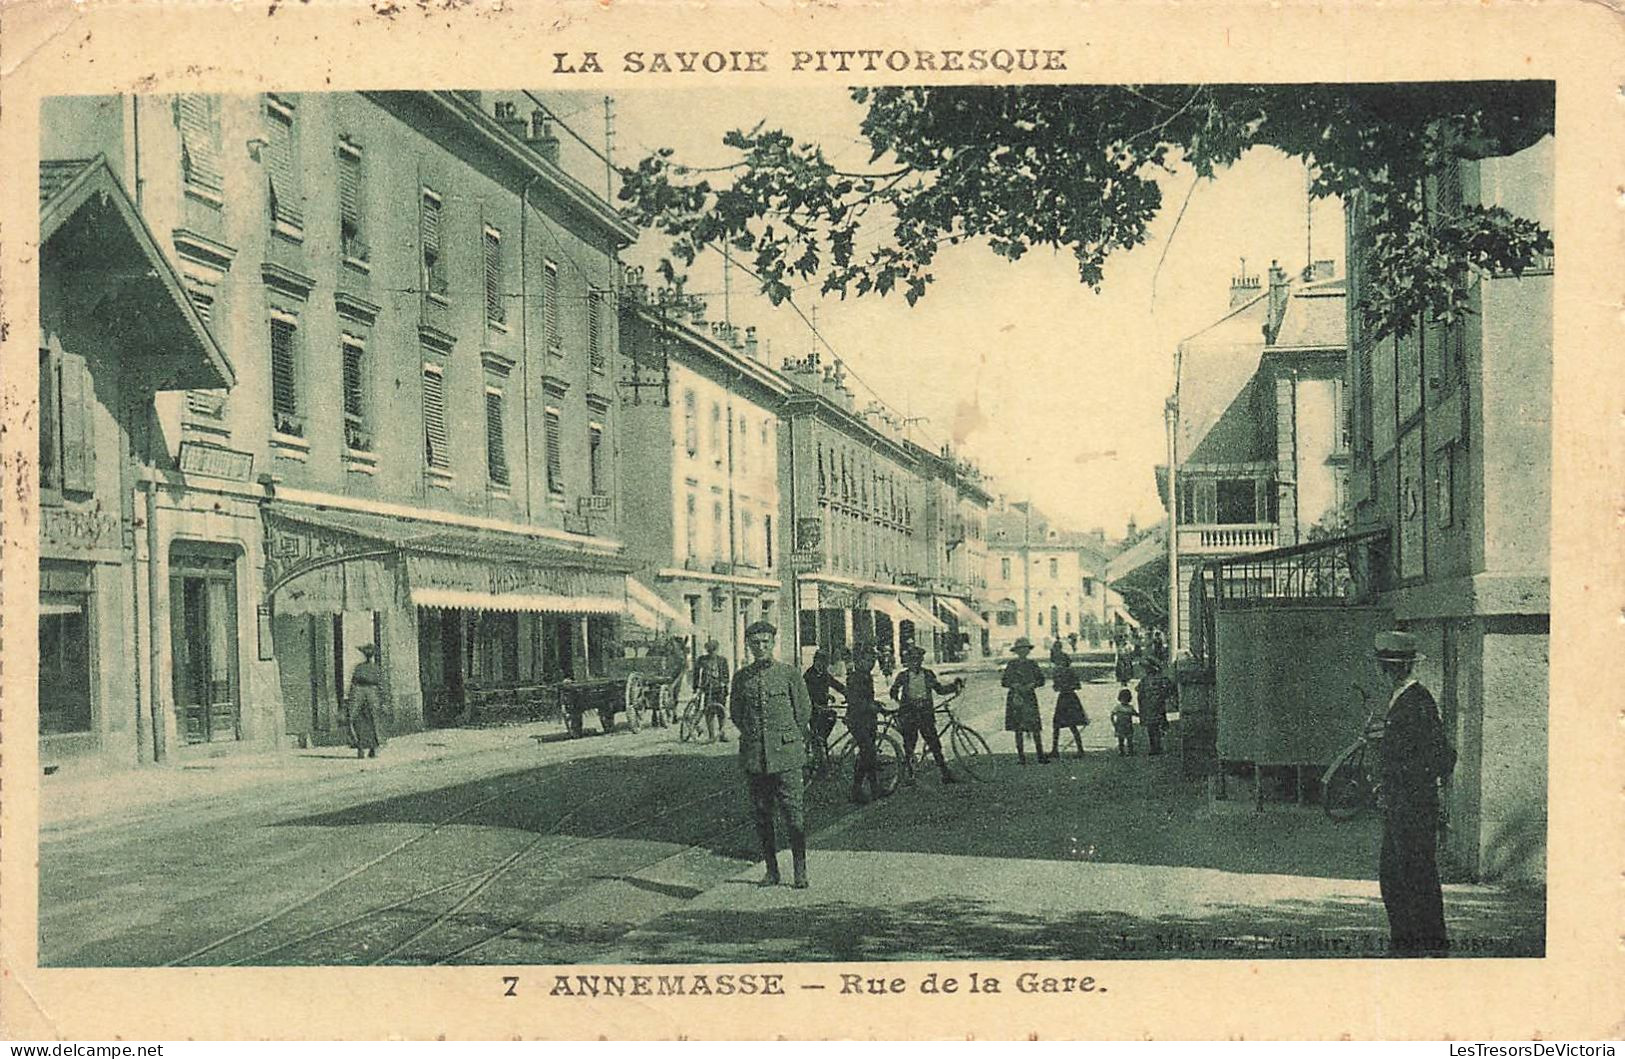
[(691, 718), (971, 752), (1350, 785), (840, 762)]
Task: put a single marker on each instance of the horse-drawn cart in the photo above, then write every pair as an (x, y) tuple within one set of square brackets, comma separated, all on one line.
[(641, 684)]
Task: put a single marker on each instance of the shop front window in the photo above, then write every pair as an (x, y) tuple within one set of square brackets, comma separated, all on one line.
[(64, 663)]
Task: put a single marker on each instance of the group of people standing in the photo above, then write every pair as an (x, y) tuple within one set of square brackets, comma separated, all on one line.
[(1023, 677)]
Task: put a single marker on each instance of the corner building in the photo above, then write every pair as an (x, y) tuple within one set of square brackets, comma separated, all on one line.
[(418, 449)]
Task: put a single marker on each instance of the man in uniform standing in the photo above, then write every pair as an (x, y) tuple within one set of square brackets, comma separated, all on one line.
[(771, 711), (711, 681), (1415, 757)]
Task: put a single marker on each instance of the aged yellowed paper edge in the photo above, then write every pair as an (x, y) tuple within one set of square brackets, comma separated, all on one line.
[(1575, 991)]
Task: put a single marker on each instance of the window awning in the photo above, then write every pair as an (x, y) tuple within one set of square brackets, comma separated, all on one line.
[(961, 610)]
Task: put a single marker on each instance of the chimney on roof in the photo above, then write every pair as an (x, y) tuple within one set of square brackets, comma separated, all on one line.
[(1278, 289), (1322, 269), (508, 117), (1243, 288), (751, 348), (541, 136)]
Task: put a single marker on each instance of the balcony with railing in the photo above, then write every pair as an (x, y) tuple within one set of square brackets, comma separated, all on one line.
[(1227, 539)]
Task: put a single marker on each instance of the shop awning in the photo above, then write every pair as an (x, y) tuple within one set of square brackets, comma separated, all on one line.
[(961, 610), (650, 611), (459, 599), (328, 561), (888, 605), (920, 614)]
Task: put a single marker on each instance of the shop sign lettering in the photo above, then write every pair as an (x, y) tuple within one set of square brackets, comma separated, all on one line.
[(88, 529), (215, 461)]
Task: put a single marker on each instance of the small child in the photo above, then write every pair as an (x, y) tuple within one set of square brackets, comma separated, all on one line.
[(1123, 721)]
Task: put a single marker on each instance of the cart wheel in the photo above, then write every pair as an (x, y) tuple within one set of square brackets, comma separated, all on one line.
[(634, 704)]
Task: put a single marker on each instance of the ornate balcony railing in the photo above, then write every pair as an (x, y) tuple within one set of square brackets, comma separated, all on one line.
[(1227, 540)]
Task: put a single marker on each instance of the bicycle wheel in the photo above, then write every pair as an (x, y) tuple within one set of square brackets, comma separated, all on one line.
[(971, 753), (1345, 789), (888, 764), (688, 728)]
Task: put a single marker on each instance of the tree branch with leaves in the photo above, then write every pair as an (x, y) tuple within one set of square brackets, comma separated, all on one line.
[(1075, 168)]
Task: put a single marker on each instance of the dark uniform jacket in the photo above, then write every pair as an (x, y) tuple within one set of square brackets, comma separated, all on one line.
[(711, 676), (818, 682), (861, 708), (1415, 754), (771, 709)]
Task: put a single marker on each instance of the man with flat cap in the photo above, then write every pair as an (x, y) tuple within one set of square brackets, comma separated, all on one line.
[(771, 711), (1415, 757)]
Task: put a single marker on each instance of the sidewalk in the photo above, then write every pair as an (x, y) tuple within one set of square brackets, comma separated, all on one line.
[(1094, 857), (86, 797)]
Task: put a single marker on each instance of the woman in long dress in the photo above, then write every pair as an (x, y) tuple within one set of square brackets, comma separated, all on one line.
[(1023, 678), (366, 700)]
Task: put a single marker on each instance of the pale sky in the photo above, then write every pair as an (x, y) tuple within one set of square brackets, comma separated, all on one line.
[(1055, 390)]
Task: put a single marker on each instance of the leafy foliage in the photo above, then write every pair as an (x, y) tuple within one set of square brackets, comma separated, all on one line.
[(1074, 167)]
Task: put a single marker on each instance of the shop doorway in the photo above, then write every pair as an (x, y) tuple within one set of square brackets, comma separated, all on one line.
[(203, 643)]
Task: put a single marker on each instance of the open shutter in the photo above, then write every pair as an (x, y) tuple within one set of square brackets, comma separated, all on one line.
[(555, 460), (496, 456), (493, 277), (434, 269), (550, 307), (595, 327), (78, 432), (284, 372), (354, 388), (200, 144), (434, 419), (280, 166)]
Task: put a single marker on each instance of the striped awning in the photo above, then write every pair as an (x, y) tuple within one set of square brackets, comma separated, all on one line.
[(961, 610)]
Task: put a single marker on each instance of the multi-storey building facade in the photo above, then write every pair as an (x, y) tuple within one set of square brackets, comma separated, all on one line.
[(956, 505), (1452, 448), (854, 533), (116, 330), (702, 510), (1033, 578), (1257, 431), (418, 449)]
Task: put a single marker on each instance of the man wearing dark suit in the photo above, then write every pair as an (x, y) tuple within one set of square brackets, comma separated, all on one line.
[(1415, 757), (771, 710)]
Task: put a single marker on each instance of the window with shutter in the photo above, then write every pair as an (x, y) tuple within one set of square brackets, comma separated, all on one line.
[(555, 458), (767, 535), (717, 542), (496, 452), (495, 311), (357, 436), (435, 447), (196, 114), (351, 243), (595, 329), (281, 167), (50, 421), (434, 265), (285, 378), (691, 422), (691, 509), (716, 432), (595, 467), (550, 307)]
